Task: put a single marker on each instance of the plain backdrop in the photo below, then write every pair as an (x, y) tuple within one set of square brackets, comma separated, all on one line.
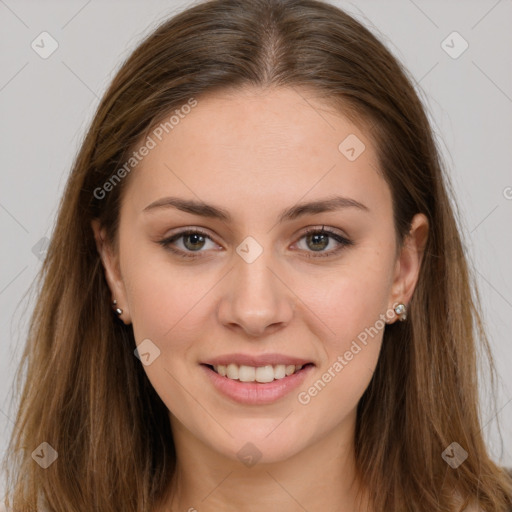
[(46, 104)]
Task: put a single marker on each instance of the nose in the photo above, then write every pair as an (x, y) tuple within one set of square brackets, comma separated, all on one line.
[(255, 297)]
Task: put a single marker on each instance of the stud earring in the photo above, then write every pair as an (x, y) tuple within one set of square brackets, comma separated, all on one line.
[(401, 311), (118, 311)]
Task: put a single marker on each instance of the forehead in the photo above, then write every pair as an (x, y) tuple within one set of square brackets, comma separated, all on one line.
[(251, 147)]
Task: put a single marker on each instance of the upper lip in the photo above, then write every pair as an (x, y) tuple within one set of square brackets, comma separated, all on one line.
[(256, 360)]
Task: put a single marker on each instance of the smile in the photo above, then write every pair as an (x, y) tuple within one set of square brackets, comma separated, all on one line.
[(262, 374), (256, 385)]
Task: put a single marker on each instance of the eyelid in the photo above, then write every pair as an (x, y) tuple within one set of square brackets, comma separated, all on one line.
[(167, 242), (321, 228), (342, 240)]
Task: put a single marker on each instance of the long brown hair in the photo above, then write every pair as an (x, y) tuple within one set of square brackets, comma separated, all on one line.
[(88, 397)]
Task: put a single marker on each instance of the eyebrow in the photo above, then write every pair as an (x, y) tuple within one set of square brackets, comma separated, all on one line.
[(208, 210)]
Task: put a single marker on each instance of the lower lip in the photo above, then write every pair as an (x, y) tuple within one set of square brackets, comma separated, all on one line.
[(256, 393)]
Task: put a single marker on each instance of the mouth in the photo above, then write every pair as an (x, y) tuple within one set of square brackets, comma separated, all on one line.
[(257, 385), (257, 374)]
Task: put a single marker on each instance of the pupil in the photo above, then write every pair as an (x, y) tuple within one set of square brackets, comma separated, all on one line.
[(197, 239), (316, 237)]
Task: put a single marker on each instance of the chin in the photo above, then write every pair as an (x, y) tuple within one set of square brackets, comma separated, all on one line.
[(265, 445)]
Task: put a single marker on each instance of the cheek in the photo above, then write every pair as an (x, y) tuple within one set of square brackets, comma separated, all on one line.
[(350, 352), (162, 296), (351, 299), (351, 344), (352, 308)]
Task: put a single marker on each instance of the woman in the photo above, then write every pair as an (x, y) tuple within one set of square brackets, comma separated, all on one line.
[(256, 295)]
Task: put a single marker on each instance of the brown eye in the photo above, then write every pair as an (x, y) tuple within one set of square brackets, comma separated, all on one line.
[(192, 242), (196, 241), (317, 240)]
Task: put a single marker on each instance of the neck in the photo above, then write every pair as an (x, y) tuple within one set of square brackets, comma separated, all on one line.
[(320, 477)]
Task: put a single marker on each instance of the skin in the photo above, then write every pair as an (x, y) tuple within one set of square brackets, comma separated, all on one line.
[(254, 153)]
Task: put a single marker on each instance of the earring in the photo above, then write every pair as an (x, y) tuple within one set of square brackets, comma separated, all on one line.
[(401, 311), (118, 311)]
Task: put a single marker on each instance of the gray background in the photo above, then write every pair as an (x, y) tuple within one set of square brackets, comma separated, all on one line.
[(46, 105)]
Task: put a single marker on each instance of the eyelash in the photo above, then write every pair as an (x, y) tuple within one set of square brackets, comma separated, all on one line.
[(344, 242)]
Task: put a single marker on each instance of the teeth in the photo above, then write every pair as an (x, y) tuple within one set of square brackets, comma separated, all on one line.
[(261, 374), (264, 374), (290, 369), (231, 371), (279, 371), (247, 373)]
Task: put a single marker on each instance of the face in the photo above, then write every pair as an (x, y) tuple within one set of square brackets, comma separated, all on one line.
[(251, 285)]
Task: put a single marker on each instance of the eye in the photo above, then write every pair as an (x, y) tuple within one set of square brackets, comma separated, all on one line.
[(193, 241), (316, 239)]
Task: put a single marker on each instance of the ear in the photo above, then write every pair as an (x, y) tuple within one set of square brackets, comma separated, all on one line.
[(111, 267), (408, 263)]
